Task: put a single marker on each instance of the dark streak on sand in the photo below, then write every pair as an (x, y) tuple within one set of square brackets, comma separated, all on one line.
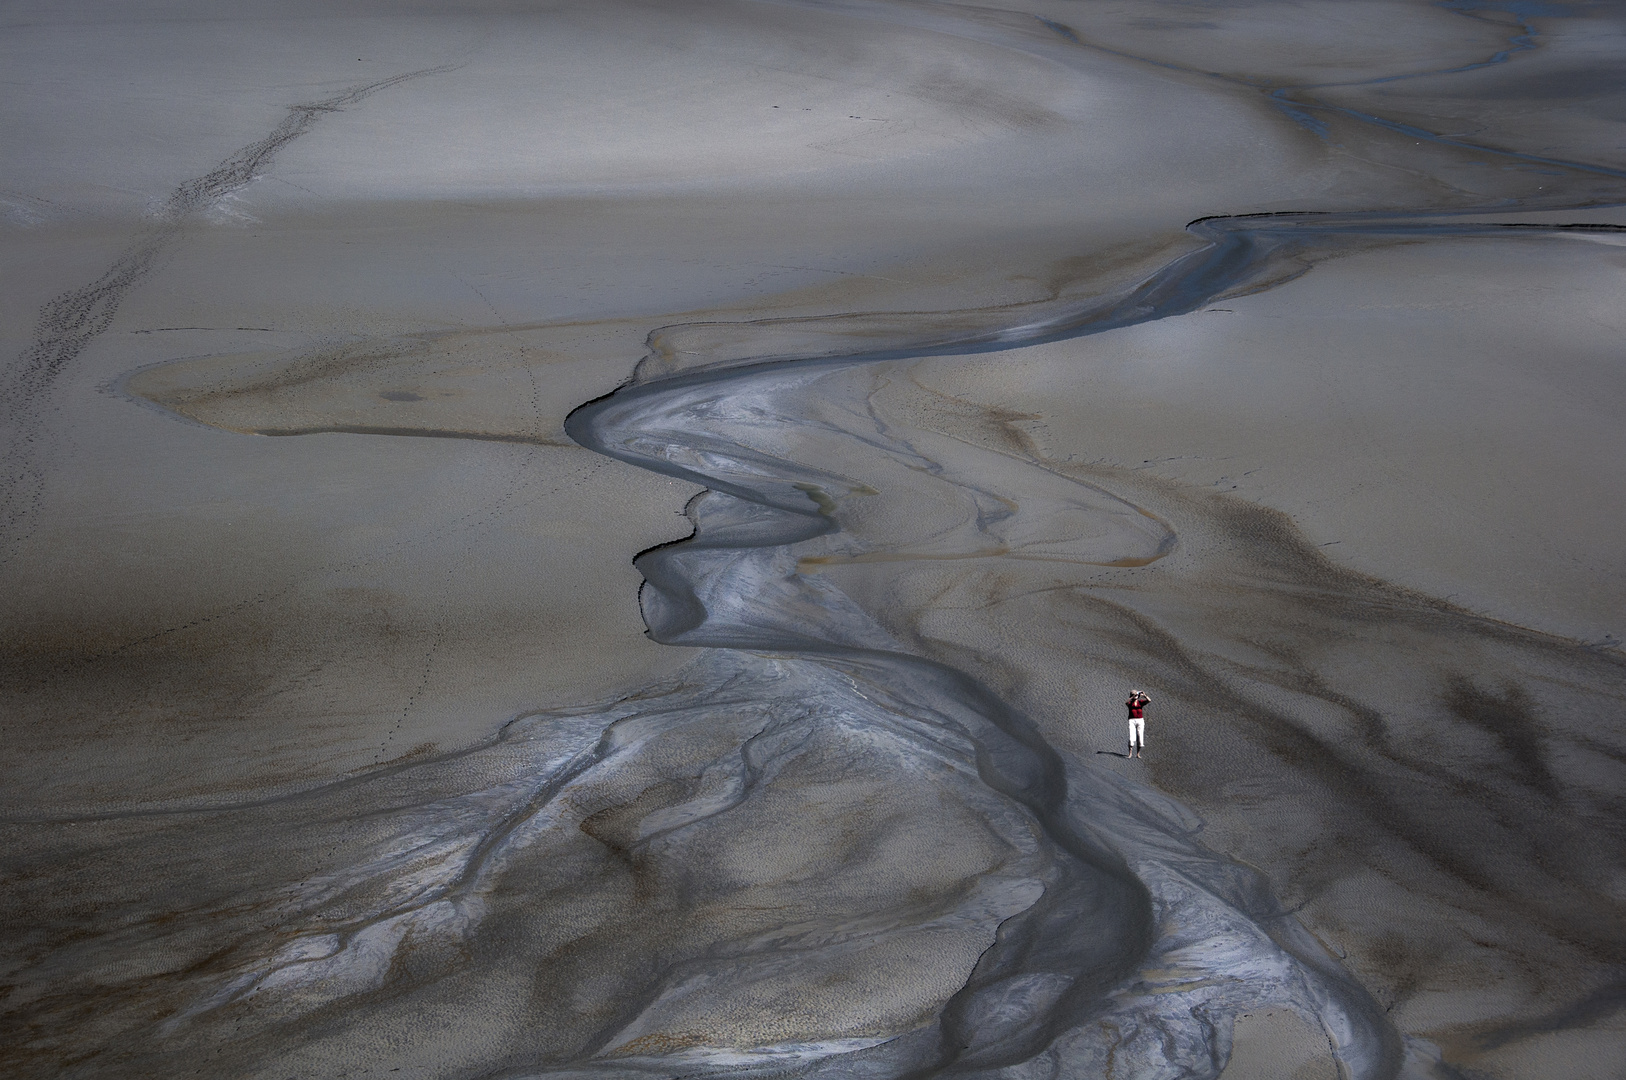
[(68, 322)]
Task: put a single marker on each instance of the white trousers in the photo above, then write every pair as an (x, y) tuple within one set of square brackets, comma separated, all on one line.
[(1137, 732)]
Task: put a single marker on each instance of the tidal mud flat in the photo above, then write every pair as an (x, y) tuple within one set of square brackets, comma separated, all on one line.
[(609, 542)]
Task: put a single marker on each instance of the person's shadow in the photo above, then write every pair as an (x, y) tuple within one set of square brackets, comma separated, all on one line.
[(1113, 753)]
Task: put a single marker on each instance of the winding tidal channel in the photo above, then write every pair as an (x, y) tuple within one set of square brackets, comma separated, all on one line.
[(854, 858), (836, 840)]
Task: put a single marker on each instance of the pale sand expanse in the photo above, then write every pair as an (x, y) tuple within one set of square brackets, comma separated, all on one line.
[(1441, 416), (194, 614), (1278, 1046)]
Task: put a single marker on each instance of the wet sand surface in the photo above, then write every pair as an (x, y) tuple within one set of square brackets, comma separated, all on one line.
[(607, 540)]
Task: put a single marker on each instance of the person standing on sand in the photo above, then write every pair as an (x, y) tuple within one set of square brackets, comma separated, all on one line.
[(1137, 722)]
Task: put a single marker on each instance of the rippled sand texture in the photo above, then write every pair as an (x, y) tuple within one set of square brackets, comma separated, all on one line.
[(606, 540)]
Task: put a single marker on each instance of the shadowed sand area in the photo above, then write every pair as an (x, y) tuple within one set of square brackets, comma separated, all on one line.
[(605, 540)]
